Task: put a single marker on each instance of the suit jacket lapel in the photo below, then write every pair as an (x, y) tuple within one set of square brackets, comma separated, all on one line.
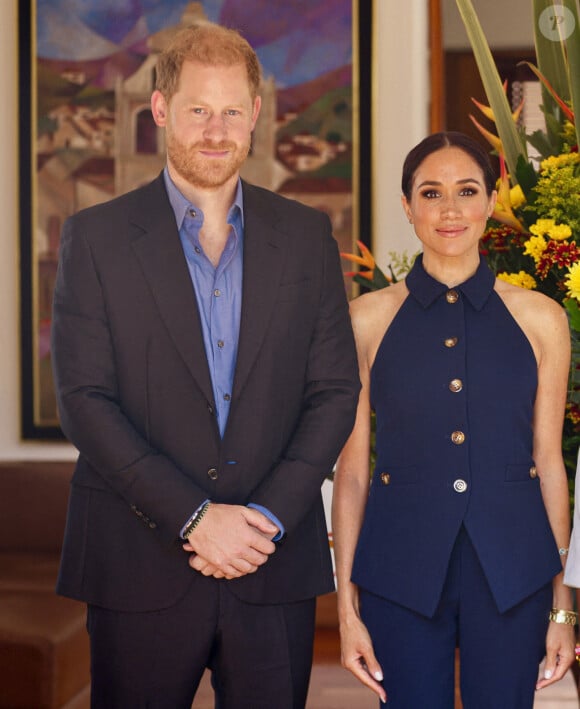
[(159, 251), (264, 256)]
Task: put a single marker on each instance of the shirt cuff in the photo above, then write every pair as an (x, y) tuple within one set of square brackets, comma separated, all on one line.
[(266, 512)]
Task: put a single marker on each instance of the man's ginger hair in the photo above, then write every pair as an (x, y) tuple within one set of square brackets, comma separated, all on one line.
[(209, 44)]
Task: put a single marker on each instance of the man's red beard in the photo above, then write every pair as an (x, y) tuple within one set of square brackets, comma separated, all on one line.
[(202, 171)]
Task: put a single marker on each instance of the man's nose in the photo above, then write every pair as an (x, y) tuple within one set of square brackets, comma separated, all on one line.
[(215, 125)]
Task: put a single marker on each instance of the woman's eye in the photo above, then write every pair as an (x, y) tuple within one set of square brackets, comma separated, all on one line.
[(430, 194), (468, 191)]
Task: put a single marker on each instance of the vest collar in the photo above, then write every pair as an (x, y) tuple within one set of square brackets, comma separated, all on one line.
[(425, 289)]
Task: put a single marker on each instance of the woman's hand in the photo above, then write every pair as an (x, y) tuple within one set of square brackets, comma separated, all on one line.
[(559, 653), (357, 655)]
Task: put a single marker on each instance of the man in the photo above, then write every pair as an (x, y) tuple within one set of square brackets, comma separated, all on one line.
[(206, 372)]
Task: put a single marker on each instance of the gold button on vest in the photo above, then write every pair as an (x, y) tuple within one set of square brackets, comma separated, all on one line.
[(455, 385)]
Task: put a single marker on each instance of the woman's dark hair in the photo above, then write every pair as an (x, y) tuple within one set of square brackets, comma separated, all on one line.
[(448, 139)]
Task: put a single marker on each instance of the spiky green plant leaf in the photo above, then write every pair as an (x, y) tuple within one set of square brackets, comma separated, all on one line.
[(550, 55), (573, 52), (513, 146)]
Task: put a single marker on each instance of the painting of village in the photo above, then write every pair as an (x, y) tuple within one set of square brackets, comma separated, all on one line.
[(93, 137)]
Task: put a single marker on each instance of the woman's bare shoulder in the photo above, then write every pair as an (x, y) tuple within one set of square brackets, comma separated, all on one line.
[(526, 302), (372, 313), (542, 319), (379, 304)]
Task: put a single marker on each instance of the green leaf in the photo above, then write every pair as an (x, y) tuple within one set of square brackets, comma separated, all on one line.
[(539, 141), (573, 51), (512, 143), (551, 59), (526, 175), (571, 305)]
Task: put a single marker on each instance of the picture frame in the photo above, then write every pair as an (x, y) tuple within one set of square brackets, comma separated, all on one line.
[(85, 136)]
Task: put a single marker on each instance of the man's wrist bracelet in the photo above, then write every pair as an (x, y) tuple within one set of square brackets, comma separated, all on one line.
[(194, 521), (561, 616)]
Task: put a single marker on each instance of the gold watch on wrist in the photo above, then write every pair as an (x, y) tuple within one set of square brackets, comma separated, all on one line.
[(557, 615)]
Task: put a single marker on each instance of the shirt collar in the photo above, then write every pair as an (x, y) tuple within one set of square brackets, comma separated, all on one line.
[(181, 205), (425, 289)]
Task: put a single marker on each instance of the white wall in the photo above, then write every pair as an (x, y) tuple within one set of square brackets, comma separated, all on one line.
[(400, 116), (506, 23)]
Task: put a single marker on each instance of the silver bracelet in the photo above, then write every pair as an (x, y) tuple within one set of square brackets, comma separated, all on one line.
[(563, 551), (195, 520)]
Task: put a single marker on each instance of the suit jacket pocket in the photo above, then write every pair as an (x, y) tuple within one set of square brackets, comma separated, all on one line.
[(288, 292)]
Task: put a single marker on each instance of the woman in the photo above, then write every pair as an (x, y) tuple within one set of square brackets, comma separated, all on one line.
[(457, 542)]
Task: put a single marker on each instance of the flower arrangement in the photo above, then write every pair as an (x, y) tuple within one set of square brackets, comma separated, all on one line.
[(533, 237)]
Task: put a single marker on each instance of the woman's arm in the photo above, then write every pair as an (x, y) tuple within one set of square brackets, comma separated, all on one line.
[(351, 487), (552, 330)]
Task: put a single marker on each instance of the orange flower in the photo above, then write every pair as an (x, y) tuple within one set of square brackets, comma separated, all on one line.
[(488, 113), (367, 260), (503, 211)]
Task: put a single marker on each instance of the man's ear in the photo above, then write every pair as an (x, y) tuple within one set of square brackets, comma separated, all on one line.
[(256, 110), (159, 108)]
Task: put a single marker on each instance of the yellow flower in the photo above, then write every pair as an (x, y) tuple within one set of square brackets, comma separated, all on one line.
[(542, 227), (549, 228), (521, 279), (560, 232), (572, 281), (535, 247), (517, 197), (555, 162), (503, 210)]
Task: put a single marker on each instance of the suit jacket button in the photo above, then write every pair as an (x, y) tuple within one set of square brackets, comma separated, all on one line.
[(450, 342), (452, 296), (212, 474), (385, 478), (458, 437), (533, 472), (460, 486)]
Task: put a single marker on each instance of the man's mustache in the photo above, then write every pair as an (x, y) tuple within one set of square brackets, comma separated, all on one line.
[(224, 145)]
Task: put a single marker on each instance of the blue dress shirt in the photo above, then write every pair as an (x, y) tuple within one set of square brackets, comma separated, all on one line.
[(219, 296), (218, 292)]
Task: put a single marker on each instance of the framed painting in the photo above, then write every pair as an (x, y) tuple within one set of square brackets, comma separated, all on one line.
[(86, 131)]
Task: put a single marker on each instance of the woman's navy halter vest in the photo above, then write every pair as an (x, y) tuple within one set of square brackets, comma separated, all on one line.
[(453, 387)]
